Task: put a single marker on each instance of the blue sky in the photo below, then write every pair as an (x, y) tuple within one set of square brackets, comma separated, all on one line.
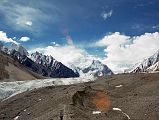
[(79, 22)]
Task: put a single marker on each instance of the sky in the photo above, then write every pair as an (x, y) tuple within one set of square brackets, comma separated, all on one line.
[(120, 33)]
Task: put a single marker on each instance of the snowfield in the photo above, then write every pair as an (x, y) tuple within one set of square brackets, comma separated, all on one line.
[(9, 89)]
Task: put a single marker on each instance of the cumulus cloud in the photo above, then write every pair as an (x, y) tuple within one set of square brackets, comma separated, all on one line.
[(6, 39), (24, 39), (123, 51), (106, 15)]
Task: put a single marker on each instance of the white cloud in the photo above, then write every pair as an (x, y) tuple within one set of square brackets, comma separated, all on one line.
[(106, 15), (4, 38), (29, 23), (68, 54), (124, 51), (24, 39)]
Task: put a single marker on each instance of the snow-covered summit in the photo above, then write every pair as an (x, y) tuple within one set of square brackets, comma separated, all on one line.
[(14, 47), (45, 60), (147, 65), (19, 48), (95, 68)]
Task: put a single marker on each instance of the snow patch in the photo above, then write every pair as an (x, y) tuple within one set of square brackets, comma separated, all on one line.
[(96, 112), (118, 86), (16, 118), (118, 109)]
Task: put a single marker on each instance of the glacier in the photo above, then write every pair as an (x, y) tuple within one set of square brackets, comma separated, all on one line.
[(9, 89)]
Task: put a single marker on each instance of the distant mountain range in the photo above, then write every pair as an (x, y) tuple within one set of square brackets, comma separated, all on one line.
[(38, 63), (48, 66), (150, 64)]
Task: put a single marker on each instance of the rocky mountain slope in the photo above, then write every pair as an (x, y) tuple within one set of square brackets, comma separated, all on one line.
[(150, 64), (11, 70)]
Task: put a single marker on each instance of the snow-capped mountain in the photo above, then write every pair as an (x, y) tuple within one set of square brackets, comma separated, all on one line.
[(54, 68), (44, 60), (16, 47), (154, 67), (147, 65), (95, 68), (48, 66)]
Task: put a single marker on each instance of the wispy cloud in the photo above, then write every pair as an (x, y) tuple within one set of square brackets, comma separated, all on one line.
[(155, 26), (144, 27), (143, 4), (25, 16), (106, 15)]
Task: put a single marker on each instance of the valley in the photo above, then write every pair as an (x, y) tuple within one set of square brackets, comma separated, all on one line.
[(116, 97)]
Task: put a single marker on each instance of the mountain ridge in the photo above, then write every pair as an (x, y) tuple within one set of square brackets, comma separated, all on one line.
[(149, 64), (58, 71)]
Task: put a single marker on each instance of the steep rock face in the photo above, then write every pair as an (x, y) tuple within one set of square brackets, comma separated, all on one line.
[(53, 67), (154, 67), (96, 68), (147, 65)]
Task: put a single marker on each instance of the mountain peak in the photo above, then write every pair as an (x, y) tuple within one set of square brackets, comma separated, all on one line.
[(53, 67), (96, 68), (43, 59), (18, 48), (96, 62), (147, 64)]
